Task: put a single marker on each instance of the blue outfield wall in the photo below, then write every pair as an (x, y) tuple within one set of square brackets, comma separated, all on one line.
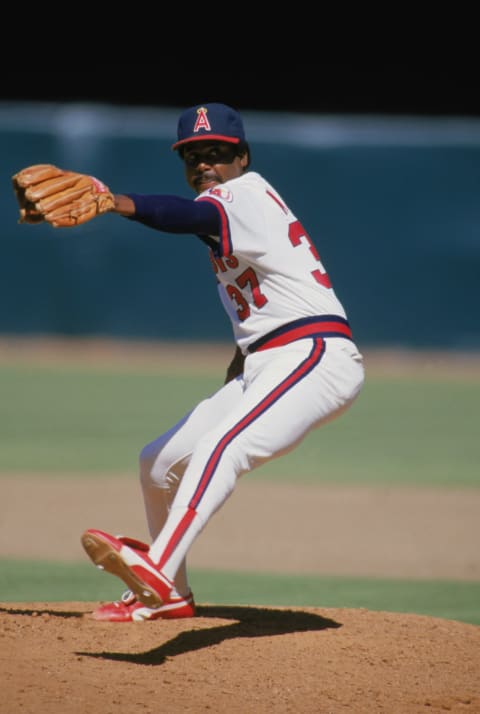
[(393, 205)]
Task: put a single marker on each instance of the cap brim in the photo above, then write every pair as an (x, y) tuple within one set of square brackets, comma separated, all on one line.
[(210, 137)]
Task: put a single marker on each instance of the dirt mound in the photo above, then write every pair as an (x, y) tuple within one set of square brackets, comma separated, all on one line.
[(57, 659)]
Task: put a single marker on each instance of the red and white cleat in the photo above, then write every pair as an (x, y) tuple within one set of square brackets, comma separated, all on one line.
[(129, 609), (128, 559)]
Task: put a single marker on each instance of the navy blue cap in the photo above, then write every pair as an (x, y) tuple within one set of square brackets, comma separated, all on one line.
[(214, 122)]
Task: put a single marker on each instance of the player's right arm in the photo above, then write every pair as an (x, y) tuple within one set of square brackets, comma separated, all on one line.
[(235, 368)]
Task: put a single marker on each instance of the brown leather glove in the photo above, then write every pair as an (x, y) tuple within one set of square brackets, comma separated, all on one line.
[(62, 198)]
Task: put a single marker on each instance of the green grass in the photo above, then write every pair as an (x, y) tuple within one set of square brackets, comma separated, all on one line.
[(22, 581), (400, 431), (87, 421)]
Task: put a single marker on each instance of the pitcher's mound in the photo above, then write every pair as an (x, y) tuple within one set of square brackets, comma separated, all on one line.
[(245, 659)]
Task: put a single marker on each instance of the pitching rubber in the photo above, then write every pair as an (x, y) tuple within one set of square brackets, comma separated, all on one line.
[(105, 557)]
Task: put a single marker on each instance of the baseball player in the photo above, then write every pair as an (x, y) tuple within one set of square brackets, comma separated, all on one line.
[(295, 365)]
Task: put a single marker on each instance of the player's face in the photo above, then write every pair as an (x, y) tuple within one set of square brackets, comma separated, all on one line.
[(208, 163)]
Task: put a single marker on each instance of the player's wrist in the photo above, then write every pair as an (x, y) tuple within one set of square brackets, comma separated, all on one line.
[(123, 205)]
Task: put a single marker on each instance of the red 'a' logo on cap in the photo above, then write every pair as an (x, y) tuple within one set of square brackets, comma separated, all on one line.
[(202, 120)]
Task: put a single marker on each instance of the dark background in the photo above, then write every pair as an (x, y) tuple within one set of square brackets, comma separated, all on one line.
[(324, 88)]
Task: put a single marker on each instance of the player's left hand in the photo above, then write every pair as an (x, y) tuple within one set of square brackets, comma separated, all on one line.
[(62, 198)]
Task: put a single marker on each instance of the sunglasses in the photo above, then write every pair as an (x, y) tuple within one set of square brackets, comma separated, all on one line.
[(217, 154)]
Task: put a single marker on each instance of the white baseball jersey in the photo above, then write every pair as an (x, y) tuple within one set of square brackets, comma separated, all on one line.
[(268, 270)]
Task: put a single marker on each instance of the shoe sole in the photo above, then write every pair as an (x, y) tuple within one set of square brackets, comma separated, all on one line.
[(107, 558)]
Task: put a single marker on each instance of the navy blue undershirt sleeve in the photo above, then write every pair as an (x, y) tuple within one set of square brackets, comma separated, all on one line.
[(174, 214)]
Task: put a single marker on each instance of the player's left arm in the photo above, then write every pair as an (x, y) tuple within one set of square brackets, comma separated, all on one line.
[(45, 192), (173, 214)]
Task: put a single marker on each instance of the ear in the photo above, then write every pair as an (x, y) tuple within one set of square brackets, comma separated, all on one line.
[(244, 160)]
